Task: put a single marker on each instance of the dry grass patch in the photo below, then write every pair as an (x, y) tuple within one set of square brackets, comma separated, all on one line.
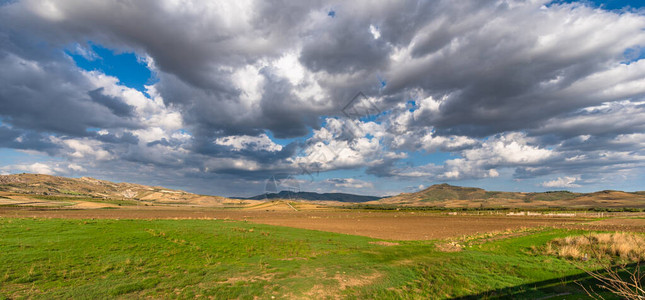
[(322, 291), (458, 244), (346, 281), (450, 247), (624, 246), (384, 243), (615, 261)]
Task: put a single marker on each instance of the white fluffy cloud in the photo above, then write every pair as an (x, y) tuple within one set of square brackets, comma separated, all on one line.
[(39, 168), (49, 168), (253, 143), (562, 182)]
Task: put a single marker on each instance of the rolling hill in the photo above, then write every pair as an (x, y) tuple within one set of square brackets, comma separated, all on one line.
[(449, 196), (60, 188)]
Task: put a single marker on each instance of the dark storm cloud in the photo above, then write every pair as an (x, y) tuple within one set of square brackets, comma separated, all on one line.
[(117, 106), (338, 50), (44, 92), (25, 140), (271, 157), (264, 157), (383, 170), (282, 112), (221, 114), (195, 58), (7, 134), (497, 75), (19, 107), (593, 164), (481, 53), (123, 138), (606, 120)]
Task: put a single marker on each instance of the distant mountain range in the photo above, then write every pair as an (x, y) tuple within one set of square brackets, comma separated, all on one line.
[(310, 196), (449, 196)]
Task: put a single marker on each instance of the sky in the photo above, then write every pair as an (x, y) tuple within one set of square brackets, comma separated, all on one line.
[(237, 98)]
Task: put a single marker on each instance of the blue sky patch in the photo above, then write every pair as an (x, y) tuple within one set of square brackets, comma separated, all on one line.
[(633, 54), (125, 66), (607, 4), (9, 157)]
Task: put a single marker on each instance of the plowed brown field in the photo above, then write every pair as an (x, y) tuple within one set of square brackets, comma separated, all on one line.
[(385, 225)]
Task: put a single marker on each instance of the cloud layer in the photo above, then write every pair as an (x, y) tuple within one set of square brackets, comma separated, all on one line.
[(513, 90)]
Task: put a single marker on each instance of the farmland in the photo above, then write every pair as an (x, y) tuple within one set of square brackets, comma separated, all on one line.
[(87, 239), (316, 253)]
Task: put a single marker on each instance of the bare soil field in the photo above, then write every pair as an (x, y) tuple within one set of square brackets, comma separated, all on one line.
[(613, 224), (406, 225), (378, 224)]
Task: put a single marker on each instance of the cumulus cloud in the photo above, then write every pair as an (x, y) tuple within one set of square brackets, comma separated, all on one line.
[(237, 143), (32, 168), (49, 168), (562, 182)]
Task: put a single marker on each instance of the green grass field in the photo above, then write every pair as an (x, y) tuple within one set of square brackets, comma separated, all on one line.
[(90, 259)]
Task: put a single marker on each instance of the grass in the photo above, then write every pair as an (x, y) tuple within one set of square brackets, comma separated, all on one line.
[(552, 196), (68, 192), (119, 202), (82, 259)]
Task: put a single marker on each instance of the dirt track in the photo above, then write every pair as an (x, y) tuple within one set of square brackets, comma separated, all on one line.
[(385, 225)]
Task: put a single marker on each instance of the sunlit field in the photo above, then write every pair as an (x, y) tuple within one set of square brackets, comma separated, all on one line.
[(76, 258)]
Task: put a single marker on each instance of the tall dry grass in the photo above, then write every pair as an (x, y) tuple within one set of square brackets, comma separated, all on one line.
[(611, 253), (612, 246)]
